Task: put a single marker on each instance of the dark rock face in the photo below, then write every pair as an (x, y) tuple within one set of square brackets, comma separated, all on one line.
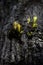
[(30, 51)]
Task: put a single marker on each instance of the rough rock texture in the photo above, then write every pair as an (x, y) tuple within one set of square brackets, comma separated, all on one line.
[(31, 51)]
